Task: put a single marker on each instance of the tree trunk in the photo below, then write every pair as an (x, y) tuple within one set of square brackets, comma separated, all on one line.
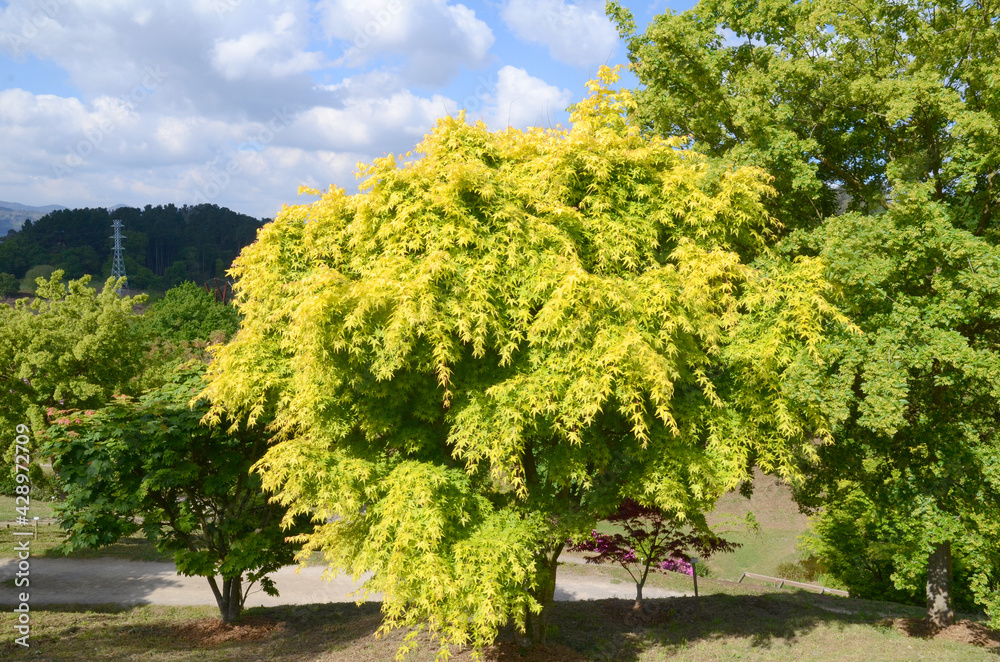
[(537, 625), (939, 611), (638, 595), (229, 599)]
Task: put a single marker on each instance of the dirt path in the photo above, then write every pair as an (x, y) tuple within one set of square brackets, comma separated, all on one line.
[(114, 581)]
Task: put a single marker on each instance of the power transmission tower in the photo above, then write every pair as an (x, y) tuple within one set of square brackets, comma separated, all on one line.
[(118, 261)]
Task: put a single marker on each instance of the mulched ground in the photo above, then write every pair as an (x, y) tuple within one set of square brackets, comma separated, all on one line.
[(209, 632), (964, 632)]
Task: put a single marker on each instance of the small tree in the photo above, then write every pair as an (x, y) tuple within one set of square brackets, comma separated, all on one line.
[(9, 285), (188, 312), (30, 283), (148, 464), (70, 347), (652, 541)]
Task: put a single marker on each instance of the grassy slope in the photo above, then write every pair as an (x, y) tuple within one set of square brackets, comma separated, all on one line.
[(780, 522)]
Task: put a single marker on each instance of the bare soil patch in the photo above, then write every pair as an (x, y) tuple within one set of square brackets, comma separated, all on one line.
[(207, 632)]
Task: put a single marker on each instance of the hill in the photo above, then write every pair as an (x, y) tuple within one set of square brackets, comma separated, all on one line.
[(164, 245), (14, 214)]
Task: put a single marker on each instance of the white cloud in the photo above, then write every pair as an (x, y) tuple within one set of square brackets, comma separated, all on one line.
[(522, 100), (108, 151), (218, 56), (272, 53), (579, 34), (238, 102), (436, 38), (394, 122)]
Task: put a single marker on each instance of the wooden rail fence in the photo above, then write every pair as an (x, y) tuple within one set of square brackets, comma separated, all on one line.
[(782, 582)]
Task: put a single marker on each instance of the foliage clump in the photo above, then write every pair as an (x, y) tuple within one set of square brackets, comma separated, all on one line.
[(188, 312), (889, 111)]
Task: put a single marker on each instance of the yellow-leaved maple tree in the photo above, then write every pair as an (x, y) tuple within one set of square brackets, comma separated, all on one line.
[(492, 344)]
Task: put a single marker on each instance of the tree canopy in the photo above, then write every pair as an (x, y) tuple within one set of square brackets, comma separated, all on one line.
[(71, 346), (500, 339), (914, 399), (891, 110), (834, 99), (148, 464), (187, 312)]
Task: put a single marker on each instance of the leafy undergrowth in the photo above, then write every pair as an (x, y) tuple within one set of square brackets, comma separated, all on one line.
[(769, 626)]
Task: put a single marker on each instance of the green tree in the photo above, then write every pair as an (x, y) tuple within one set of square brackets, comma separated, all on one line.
[(9, 285), (836, 100), (43, 271), (857, 106), (149, 464), (493, 344), (915, 398), (187, 312), (71, 346)]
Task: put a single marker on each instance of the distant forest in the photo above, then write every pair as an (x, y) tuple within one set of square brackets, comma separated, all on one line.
[(164, 245)]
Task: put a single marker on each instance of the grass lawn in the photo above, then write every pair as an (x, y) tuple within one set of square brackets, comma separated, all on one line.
[(729, 621), (41, 508), (135, 548), (778, 626)]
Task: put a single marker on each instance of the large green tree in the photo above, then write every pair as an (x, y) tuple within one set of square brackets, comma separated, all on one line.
[(870, 106), (148, 464), (495, 343), (914, 400), (835, 99)]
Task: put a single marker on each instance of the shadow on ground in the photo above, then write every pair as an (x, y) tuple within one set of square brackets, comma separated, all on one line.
[(610, 630), (593, 631)]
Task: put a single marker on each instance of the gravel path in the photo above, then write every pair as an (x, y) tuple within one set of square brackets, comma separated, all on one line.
[(114, 581)]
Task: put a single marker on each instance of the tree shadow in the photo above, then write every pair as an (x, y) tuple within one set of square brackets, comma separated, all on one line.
[(62, 581), (292, 632), (606, 630)]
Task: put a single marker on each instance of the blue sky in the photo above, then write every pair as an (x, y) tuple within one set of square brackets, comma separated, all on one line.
[(239, 102)]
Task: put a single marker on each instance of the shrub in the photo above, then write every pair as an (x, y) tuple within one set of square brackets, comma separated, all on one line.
[(9, 285)]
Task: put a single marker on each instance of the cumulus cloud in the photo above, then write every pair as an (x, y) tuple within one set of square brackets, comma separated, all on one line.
[(270, 53), (219, 56), (395, 122), (436, 37), (238, 102), (579, 34), (522, 101), (111, 151)]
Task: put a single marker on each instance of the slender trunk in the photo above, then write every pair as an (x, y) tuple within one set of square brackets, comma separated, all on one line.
[(229, 598), (638, 596), (537, 624), (939, 611)]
